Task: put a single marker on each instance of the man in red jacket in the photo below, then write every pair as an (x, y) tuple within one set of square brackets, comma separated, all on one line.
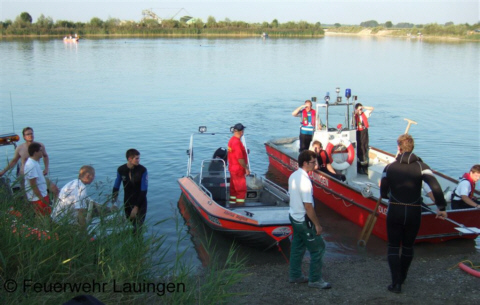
[(238, 166)]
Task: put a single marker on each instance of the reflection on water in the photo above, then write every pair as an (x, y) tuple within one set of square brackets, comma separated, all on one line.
[(211, 245)]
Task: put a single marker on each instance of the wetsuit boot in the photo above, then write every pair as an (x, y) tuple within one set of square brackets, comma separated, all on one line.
[(395, 270), (405, 261)]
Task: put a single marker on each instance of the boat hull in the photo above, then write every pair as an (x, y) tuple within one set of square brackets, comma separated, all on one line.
[(70, 40), (230, 222), (351, 204)]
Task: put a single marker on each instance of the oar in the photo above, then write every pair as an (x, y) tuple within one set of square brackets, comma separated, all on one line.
[(460, 227), (369, 224), (410, 122)]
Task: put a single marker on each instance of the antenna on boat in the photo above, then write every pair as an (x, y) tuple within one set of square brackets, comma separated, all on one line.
[(11, 107), (354, 99)]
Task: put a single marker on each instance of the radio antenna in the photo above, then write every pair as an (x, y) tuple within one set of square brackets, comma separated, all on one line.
[(11, 107)]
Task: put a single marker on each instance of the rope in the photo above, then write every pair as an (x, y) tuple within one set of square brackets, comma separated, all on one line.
[(333, 195), (406, 204), (283, 254), (465, 261), (471, 264)]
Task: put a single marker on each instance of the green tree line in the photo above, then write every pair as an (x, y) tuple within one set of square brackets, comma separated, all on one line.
[(186, 25), (24, 25)]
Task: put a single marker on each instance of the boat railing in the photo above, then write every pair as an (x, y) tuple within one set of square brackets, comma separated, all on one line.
[(213, 176), (270, 186), (206, 191)]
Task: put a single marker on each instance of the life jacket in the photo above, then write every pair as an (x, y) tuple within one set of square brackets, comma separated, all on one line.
[(322, 159), (467, 177), (363, 123), (308, 121)]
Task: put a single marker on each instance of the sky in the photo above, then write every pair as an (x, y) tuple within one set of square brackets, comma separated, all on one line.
[(325, 11)]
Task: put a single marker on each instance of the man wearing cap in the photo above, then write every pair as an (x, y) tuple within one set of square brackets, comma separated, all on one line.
[(238, 166)]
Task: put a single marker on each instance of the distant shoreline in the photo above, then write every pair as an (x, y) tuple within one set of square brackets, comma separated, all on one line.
[(327, 32), (394, 33)]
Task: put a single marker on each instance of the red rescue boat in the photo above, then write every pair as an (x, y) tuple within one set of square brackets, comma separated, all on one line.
[(356, 198), (262, 222)]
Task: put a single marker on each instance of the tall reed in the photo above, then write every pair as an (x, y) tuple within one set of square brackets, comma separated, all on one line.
[(42, 262)]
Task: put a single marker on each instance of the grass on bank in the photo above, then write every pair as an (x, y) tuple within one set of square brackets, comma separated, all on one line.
[(39, 266)]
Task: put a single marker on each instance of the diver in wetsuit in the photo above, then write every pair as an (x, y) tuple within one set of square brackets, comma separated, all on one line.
[(402, 184), (135, 185)]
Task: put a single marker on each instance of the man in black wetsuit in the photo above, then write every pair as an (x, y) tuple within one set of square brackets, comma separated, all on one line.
[(135, 185), (402, 184)]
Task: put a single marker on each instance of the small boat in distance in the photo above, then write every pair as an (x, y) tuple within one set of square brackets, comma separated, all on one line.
[(355, 198), (75, 38), (262, 222)]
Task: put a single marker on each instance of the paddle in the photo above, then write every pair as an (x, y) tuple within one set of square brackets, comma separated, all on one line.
[(410, 122), (369, 224), (460, 227)]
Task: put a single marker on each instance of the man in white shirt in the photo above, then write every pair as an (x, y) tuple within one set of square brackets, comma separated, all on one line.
[(35, 183), (73, 201), (305, 224), (72, 204)]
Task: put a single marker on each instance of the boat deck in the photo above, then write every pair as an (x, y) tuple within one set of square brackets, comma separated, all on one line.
[(264, 215)]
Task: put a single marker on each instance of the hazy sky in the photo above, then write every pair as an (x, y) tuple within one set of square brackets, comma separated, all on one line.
[(324, 11)]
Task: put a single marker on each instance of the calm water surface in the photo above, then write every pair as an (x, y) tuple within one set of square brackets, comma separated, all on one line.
[(89, 102)]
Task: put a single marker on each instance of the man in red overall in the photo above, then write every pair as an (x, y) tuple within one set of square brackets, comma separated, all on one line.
[(238, 167)]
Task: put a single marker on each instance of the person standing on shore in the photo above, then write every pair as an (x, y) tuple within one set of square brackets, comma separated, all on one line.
[(362, 113), (305, 224), (462, 197), (307, 126), (35, 183), (402, 184), (21, 153), (237, 166), (135, 186)]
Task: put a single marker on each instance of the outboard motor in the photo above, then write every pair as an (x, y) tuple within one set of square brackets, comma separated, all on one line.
[(217, 166)]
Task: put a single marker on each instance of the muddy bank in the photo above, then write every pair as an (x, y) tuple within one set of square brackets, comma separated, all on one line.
[(364, 280)]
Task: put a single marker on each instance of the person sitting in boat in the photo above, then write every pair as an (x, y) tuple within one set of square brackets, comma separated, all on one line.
[(73, 201), (217, 165), (323, 161), (462, 196), (307, 126)]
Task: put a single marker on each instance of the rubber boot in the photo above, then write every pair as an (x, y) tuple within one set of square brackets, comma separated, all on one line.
[(405, 262)]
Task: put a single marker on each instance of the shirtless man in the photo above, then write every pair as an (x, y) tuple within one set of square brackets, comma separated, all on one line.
[(21, 153)]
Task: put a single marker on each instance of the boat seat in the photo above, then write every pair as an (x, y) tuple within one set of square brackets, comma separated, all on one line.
[(216, 186)]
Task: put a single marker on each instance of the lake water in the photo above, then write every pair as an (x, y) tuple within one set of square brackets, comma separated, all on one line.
[(90, 102)]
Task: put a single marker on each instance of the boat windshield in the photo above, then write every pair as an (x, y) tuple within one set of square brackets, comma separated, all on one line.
[(334, 116)]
